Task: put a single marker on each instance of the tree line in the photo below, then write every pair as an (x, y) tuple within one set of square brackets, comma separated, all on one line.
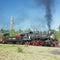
[(12, 32)]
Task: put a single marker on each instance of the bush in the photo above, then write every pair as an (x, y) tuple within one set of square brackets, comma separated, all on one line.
[(58, 36), (20, 49)]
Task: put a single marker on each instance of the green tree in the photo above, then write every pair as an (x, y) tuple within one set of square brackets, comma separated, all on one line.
[(58, 34), (12, 32), (3, 31)]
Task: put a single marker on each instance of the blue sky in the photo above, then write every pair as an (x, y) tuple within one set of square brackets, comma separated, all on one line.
[(27, 14)]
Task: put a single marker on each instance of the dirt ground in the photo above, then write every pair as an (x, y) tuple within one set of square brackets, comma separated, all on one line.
[(23, 52)]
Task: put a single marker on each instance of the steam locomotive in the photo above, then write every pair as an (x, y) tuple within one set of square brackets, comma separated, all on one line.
[(31, 38)]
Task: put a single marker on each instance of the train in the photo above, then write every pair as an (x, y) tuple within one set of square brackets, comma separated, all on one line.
[(30, 38)]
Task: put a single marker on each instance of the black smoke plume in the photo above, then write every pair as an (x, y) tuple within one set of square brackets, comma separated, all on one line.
[(48, 4)]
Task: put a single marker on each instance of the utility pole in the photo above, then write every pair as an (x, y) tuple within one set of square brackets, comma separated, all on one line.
[(11, 23), (12, 26)]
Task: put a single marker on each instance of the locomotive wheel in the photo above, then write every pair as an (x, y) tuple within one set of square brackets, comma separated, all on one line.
[(35, 43), (47, 43), (27, 42), (20, 42), (54, 43), (41, 43)]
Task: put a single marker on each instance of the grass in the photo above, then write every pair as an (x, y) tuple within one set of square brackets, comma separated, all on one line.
[(22, 52)]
